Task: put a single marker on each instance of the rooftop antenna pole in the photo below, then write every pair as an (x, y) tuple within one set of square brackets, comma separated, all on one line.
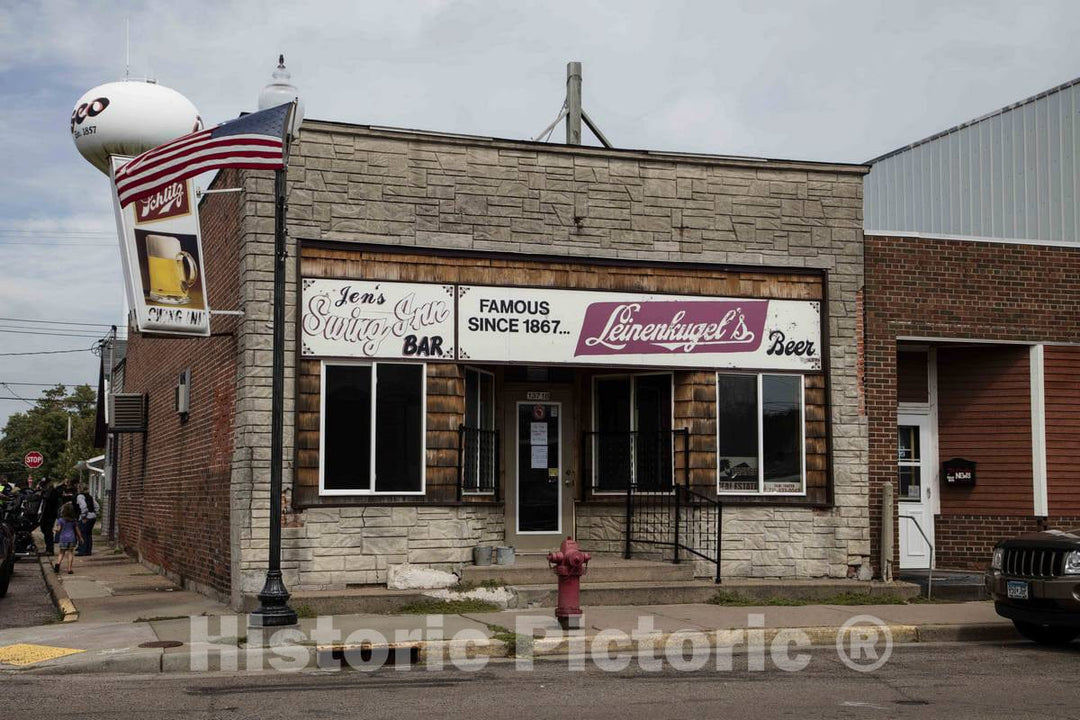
[(127, 48), (573, 103)]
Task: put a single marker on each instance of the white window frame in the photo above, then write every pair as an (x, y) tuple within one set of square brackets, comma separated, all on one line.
[(371, 491), (761, 436), (494, 420), (633, 427)]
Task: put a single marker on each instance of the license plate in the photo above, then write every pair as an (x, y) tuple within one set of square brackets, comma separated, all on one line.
[(1016, 590)]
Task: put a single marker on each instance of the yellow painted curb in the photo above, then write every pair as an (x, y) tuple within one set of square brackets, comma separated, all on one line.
[(22, 654), (64, 605)]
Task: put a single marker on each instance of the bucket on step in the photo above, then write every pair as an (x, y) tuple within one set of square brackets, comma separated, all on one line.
[(481, 555), (504, 555)]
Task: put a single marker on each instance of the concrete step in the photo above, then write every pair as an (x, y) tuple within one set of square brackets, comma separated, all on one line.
[(377, 599), (669, 592), (528, 571), (954, 585)]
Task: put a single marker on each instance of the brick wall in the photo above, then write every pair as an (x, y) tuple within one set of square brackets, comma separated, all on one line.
[(968, 540), (358, 184), (173, 483), (950, 289)]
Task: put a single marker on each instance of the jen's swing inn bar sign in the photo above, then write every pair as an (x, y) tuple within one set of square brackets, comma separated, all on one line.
[(427, 321)]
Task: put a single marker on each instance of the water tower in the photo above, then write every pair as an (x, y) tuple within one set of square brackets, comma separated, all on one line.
[(128, 118)]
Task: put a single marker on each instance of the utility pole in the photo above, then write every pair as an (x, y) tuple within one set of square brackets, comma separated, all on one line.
[(573, 103)]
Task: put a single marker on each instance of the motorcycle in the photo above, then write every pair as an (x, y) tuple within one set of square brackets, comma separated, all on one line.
[(7, 546), (22, 514)]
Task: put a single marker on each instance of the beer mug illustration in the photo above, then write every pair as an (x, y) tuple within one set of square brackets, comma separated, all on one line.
[(172, 271)]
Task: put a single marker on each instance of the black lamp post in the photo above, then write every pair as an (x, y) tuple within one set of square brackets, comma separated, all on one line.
[(274, 610)]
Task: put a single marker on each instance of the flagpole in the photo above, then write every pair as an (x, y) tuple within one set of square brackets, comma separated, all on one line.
[(274, 610)]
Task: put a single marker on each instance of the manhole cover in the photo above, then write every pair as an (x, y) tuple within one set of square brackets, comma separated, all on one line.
[(162, 644)]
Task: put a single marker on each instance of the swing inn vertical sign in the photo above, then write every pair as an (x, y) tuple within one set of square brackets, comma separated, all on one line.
[(159, 222), (161, 252)]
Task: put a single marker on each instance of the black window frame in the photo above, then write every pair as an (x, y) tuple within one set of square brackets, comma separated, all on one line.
[(594, 488), (474, 468)]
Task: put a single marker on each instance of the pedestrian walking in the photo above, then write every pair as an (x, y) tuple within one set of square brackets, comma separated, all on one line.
[(68, 536), (87, 517), (68, 491), (50, 509)]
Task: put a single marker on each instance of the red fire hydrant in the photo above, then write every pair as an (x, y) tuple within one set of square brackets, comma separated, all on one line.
[(569, 564)]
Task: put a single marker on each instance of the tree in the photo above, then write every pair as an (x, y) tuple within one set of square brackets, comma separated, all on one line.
[(44, 428)]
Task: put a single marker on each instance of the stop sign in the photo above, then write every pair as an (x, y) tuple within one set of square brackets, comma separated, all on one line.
[(33, 459)]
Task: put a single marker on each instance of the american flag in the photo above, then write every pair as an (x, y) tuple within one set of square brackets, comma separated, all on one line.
[(252, 141)]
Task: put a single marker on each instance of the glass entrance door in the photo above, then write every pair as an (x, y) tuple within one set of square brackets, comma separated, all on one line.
[(539, 468)]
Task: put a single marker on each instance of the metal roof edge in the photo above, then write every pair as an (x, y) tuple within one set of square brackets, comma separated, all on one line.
[(981, 118)]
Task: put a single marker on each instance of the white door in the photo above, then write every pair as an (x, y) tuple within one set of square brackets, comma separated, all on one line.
[(917, 473)]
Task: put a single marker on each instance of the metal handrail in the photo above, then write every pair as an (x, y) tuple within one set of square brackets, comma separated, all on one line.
[(929, 570)]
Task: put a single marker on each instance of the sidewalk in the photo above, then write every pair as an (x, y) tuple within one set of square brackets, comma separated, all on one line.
[(133, 621), (111, 587)]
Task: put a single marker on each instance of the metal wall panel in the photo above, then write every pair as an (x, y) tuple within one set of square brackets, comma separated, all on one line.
[(1013, 174)]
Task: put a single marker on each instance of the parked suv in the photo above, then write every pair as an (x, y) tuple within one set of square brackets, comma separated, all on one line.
[(1034, 580)]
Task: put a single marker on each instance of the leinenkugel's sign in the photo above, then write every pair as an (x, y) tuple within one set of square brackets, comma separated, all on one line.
[(161, 254), (501, 324), (345, 318)]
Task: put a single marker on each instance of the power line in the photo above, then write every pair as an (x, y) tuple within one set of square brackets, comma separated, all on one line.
[(70, 401), (55, 322), (17, 397), (50, 334), (49, 385), (45, 231), (54, 244), (46, 352)]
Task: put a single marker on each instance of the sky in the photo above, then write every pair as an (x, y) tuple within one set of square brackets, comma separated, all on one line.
[(831, 80)]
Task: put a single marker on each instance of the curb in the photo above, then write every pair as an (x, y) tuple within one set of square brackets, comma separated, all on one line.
[(64, 605), (437, 653)]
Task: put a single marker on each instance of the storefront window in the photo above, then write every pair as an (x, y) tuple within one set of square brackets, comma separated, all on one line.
[(373, 429), (632, 440), (478, 435), (760, 434)]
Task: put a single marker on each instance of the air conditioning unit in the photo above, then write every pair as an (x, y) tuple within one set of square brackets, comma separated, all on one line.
[(127, 412), (183, 394)]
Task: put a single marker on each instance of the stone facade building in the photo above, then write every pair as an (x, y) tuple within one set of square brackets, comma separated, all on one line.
[(492, 341)]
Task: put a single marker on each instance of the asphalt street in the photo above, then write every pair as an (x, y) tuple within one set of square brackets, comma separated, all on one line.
[(954, 681), (27, 602)]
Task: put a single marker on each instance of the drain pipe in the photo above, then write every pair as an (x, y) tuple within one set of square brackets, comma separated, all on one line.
[(886, 531)]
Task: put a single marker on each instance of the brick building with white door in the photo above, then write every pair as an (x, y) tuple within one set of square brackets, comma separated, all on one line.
[(972, 332)]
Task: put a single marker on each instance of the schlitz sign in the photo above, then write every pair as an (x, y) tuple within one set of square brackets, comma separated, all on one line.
[(353, 318), (161, 253), (166, 203)]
